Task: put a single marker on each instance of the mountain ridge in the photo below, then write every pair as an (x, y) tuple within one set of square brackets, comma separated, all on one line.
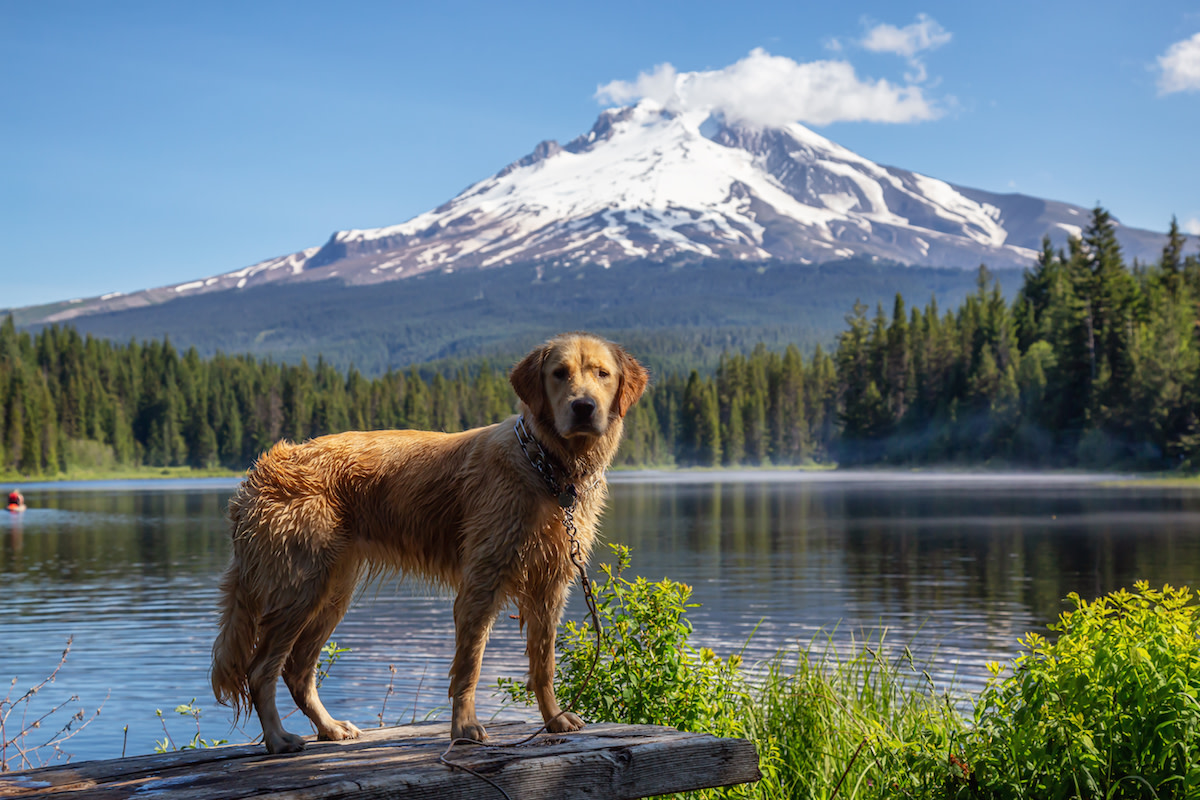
[(647, 184)]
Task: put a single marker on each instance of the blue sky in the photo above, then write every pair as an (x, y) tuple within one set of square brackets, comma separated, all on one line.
[(144, 144)]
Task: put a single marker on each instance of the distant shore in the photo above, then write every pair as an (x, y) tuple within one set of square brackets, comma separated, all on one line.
[(120, 474), (670, 473), (1159, 480)]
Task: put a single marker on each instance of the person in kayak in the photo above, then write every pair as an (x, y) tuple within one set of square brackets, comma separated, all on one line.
[(16, 501)]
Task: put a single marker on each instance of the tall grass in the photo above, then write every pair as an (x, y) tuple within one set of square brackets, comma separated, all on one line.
[(866, 721)]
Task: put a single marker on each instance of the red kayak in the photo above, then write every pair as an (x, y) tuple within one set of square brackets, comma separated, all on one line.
[(16, 509)]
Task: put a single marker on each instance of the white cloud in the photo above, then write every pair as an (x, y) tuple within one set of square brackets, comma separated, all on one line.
[(1180, 67), (1192, 226), (924, 34), (768, 90), (909, 42)]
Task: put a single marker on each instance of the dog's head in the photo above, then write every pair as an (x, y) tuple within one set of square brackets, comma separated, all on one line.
[(577, 384)]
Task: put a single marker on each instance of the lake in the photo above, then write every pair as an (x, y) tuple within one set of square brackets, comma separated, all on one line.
[(956, 566)]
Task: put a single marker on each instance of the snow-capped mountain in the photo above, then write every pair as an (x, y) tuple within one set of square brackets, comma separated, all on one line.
[(647, 183)]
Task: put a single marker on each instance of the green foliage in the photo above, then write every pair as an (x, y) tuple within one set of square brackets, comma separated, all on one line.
[(1108, 710), (197, 742), (1093, 364), (868, 722), (647, 672), (330, 655), (86, 406)]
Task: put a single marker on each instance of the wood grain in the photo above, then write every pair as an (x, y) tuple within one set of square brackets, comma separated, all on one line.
[(602, 761)]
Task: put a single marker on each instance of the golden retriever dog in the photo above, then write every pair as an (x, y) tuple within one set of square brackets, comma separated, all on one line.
[(482, 512)]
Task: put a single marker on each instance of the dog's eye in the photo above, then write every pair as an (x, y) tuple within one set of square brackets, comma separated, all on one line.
[(560, 373), (603, 373)]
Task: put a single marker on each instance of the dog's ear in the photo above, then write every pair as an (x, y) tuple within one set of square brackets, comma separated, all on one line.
[(634, 378), (526, 380)]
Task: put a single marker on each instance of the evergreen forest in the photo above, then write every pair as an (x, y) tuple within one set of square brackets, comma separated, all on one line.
[(1094, 363)]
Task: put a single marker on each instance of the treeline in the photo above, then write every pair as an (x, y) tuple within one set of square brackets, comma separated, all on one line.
[(72, 402), (1094, 363)]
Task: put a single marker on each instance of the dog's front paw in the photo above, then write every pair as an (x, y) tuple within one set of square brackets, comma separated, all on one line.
[(340, 730), (468, 730), (283, 742), (565, 723)]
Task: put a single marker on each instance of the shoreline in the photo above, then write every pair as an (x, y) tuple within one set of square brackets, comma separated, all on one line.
[(816, 473), (125, 474)]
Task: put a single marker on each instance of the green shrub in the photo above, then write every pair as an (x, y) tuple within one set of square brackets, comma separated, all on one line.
[(1109, 710), (648, 672)]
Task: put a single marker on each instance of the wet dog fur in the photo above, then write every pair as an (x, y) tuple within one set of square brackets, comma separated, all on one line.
[(464, 510)]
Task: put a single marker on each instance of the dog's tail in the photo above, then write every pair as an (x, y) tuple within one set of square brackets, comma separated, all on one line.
[(238, 628)]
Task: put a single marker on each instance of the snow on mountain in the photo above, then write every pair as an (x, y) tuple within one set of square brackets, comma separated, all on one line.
[(273, 269), (648, 183)]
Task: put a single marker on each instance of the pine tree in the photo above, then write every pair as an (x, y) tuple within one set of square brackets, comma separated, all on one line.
[(297, 397), (416, 402), (793, 435), (1073, 337), (897, 362), (1116, 299), (821, 408), (700, 424), (864, 415), (734, 433), (1172, 258)]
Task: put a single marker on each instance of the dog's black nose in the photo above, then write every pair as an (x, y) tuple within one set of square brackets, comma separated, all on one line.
[(583, 408)]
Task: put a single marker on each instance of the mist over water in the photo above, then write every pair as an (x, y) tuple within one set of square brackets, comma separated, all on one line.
[(956, 566)]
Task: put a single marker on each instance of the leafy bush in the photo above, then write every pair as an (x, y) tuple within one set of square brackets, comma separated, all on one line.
[(647, 671), (1109, 710)]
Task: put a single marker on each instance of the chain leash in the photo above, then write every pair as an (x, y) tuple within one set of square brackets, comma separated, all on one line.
[(588, 598)]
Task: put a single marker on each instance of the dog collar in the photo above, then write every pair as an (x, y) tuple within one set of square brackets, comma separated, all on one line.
[(547, 466)]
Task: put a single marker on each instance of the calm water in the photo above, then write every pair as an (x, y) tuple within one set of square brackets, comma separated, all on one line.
[(957, 566)]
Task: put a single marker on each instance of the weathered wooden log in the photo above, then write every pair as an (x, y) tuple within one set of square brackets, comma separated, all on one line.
[(601, 761)]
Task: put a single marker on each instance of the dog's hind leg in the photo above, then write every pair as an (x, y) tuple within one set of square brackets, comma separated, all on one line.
[(279, 630), (299, 672)]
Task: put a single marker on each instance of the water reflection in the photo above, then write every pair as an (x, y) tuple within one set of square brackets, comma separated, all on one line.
[(959, 567), (73, 536), (962, 567)]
